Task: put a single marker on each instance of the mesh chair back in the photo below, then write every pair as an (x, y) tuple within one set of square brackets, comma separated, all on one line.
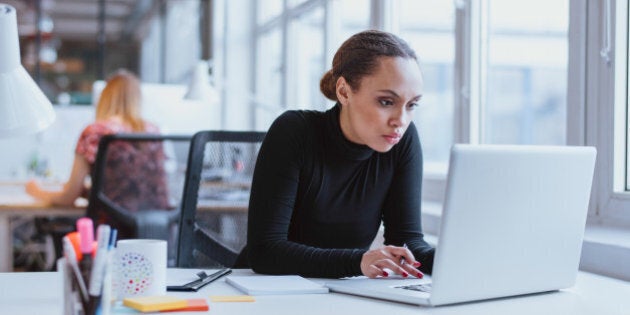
[(137, 184), (213, 227)]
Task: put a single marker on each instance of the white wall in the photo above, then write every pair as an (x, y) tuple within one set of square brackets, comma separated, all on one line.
[(163, 104), (55, 145)]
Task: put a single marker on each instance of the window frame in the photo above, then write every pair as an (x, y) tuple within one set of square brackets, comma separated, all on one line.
[(606, 102)]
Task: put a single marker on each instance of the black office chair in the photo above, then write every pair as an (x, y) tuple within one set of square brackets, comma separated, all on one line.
[(213, 226), (137, 183)]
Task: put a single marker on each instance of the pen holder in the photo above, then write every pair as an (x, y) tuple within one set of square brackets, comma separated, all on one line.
[(72, 303)]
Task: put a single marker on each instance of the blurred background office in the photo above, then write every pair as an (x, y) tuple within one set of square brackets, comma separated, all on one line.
[(496, 71), (267, 56)]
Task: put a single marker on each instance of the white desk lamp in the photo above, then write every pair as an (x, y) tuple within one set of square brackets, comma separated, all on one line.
[(199, 88), (24, 108)]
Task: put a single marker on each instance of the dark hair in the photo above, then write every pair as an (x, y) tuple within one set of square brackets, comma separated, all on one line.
[(358, 57)]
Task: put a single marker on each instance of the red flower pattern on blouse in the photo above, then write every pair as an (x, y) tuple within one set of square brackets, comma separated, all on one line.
[(92, 134), (134, 175)]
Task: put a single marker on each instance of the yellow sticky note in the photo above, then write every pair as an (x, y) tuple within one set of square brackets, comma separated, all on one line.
[(155, 303), (232, 298)]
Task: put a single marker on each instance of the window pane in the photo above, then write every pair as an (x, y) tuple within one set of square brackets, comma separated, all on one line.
[(306, 57), (268, 78), (526, 74), (354, 16), (267, 10), (428, 26)]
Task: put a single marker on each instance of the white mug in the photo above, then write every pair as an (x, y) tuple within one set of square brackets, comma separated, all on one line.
[(139, 268)]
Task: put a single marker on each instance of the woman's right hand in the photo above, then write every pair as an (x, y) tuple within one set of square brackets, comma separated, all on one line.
[(378, 262)]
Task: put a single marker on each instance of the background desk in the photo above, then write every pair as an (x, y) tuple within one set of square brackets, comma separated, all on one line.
[(592, 294), (15, 202)]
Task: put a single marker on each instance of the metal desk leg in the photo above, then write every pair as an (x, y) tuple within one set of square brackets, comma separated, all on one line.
[(6, 244)]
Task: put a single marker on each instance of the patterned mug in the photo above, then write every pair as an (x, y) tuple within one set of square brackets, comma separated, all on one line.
[(139, 268)]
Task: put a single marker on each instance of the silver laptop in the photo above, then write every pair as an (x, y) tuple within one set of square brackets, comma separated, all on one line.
[(512, 224)]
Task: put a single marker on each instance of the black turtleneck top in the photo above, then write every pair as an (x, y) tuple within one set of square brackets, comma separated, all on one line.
[(317, 199)]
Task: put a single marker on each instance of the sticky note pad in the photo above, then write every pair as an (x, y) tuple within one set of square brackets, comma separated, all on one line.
[(232, 298), (193, 305), (155, 303)]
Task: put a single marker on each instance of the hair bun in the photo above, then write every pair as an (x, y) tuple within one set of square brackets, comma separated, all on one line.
[(327, 85)]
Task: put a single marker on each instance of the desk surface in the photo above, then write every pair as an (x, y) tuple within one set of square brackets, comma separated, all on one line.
[(15, 202), (592, 294), (13, 198)]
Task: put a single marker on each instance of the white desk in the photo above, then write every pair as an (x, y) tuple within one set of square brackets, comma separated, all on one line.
[(31, 293), (15, 202), (40, 293)]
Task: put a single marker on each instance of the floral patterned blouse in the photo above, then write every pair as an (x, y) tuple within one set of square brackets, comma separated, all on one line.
[(92, 134), (134, 176)]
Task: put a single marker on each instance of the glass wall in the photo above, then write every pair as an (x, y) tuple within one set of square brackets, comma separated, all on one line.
[(79, 42)]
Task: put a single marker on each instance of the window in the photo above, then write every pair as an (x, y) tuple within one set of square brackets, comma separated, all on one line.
[(295, 41), (429, 26), (306, 59), (267, 10), (352, 16), (269, 76), (526, 72), (496, 71), (606, 118)]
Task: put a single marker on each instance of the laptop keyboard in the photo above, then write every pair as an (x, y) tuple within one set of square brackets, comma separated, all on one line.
[(425, 287)]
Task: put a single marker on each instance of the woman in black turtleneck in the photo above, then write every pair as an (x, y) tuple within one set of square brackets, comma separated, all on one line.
[(324, 181)]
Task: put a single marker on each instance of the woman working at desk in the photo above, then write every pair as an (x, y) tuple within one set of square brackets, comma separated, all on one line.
[(324, 181), (118, 111)]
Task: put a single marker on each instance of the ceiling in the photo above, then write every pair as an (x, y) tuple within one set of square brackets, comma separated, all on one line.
[(79, 19)]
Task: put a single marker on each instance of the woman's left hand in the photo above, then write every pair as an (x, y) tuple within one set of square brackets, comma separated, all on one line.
[(33, 188), (400, 260)]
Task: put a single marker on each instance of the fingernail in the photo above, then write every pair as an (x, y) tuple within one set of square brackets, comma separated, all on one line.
[(417, 264), (404, 274), (420, 275), (385, 274)]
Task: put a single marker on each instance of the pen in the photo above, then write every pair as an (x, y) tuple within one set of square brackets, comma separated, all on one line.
[(75, 240), (112, 239), (203, 280), (98, 267), (106, 294), (86, 231), (71, 258), (402, 260), (96, 276)]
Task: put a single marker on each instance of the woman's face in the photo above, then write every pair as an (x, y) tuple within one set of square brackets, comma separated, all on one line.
[(378, 113)]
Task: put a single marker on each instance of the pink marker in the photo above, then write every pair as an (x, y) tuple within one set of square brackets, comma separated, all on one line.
[(86, 236)]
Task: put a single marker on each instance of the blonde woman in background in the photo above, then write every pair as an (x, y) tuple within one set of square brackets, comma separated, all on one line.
[(118, 111)]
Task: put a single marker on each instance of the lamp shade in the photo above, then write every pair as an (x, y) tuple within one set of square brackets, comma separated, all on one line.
[(199, 88), (24, 108)]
